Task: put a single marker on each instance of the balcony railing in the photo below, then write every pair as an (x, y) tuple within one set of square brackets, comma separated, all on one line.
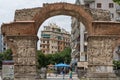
[(118, 19), (89, 0), (118, 9)]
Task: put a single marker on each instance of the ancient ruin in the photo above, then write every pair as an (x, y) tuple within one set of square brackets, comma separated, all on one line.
[(103, 36)]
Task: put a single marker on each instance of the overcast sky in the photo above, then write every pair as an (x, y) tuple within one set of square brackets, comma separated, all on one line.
[(8, 7)]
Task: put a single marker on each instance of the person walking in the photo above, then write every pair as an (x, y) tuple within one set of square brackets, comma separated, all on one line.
[(63, 73), (70, 74)]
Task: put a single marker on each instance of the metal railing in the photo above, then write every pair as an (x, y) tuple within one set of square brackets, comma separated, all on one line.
[(89, 0), (118, 8), (118, 19)]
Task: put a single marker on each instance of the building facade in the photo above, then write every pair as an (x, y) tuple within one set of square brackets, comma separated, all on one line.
[(105, 5), (2, 44), (79, 33), (53, 39), (1, 47)]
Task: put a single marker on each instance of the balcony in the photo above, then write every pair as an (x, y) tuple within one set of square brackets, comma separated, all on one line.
[(45, 35), (118, 9), (118, 19), (88, 1)]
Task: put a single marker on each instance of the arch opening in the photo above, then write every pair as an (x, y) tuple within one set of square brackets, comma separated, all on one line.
[(64, 9)]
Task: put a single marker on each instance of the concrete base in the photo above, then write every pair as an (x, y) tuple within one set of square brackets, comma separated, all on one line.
[(99, 78), (102, 76), (26, 77)]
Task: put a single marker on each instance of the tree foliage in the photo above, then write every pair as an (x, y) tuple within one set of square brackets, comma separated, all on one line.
[(59, 57), (41, 59), (117, 1), (1, 59), (116, 64), (6, 55)]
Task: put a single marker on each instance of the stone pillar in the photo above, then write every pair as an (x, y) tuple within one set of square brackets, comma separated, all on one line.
[(24, 55), (100, 57)]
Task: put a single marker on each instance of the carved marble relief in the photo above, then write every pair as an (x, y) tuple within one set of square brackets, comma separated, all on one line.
[(100, 50), (25, 56)]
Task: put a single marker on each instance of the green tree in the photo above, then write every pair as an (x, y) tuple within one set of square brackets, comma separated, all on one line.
[(41, 59), (46, 59), (117, 1), (7, 55), (66, 55), (1, 58), (116, 64)]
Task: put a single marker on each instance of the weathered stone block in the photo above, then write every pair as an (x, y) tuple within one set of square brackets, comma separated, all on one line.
[(26, 52), (26, 61)]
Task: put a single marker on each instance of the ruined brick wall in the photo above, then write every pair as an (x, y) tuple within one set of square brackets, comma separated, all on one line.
[(26, 14), (29, 14), (106, 28), (100, 48), (99, 14), (19, 28)]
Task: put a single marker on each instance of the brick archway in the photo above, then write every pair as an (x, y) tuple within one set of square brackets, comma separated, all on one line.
[(50, 10), (21, 37)]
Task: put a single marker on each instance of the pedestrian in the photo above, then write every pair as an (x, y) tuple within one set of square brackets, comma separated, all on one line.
[(70, 74), (63, 73)]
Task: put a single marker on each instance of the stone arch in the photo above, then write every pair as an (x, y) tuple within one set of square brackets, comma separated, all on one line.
[(77, 11), (21, 36)]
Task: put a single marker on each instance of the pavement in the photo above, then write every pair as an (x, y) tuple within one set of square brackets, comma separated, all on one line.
[(52, 76), (60, 77)]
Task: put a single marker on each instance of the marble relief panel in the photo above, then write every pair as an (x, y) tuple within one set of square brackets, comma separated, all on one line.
[(100, 50)]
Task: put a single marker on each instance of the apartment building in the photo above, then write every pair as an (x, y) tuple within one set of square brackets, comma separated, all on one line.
[(106, 5), (2, 44), (1, 49), (79, 34), (54, 39)]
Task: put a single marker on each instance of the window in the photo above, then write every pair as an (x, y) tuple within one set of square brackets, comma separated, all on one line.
[(98, 5), (52, 46), (85, 48), (87, 5), (85, 57), (44, 46), (43, 51), (43, 41), (112, 15), (4, 48), (111, 5)]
